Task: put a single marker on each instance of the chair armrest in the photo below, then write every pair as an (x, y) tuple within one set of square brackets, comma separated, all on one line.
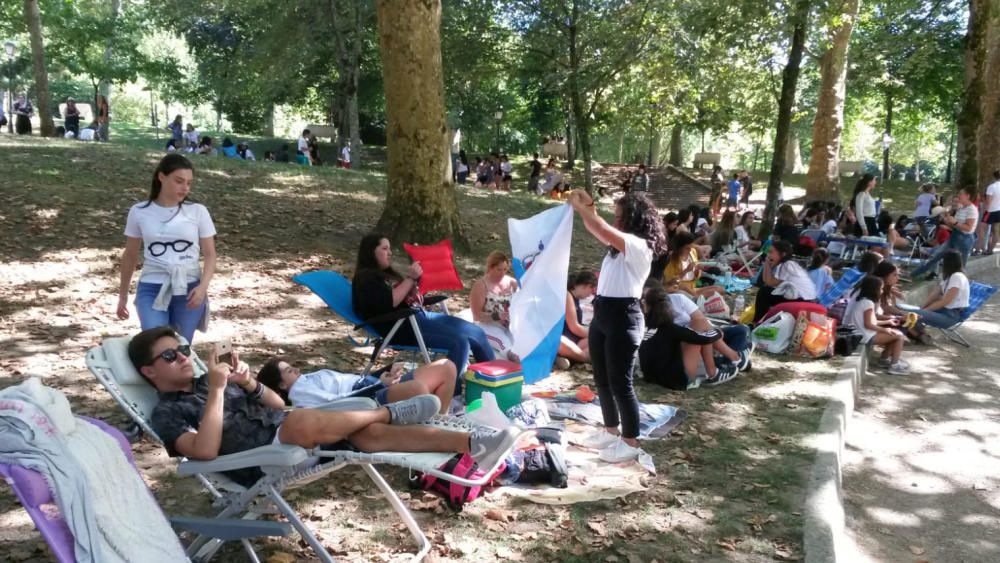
[(434, 299), (230, 529), (278, 455), (389, 317), (348, 404)]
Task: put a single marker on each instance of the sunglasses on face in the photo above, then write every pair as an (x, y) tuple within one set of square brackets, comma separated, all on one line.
[(170, 355)]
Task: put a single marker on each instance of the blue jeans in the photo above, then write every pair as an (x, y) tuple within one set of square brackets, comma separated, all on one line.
[(940, 318), (457, 336), (736, 337), (177, 315), (962, 242)]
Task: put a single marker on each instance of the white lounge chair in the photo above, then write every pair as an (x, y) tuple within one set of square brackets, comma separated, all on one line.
[(284, 466)]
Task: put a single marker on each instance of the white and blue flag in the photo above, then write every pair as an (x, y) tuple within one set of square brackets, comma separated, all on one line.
[(540, 247)]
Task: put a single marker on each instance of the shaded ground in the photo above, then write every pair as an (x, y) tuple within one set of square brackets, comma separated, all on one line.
[(730, 482), (922, 464)]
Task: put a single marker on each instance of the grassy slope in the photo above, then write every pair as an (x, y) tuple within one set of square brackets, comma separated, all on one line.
[(730, 482)]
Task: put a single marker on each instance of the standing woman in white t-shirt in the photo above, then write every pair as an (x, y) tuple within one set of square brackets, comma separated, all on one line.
[(863, 205), (618, 325), (173, 234)]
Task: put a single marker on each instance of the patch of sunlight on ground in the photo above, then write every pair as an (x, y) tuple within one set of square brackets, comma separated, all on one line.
[(52, 266), (982, 326), (215, 172), (46, 214), (888, 516), (974, 413), (16, 518)]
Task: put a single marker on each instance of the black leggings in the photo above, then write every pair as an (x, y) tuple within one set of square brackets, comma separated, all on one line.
[(615, 335)]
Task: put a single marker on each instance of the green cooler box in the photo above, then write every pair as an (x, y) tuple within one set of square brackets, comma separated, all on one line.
[(500, 377)]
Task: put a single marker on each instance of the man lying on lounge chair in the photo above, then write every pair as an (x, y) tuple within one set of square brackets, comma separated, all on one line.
[(228, 411), (391, 385)]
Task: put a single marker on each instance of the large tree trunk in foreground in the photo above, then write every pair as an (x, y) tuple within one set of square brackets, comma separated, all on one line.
[(419, 206), (789, 83), (970, 114), (34, 20), (989, 128), (676, 145), (823, 179)]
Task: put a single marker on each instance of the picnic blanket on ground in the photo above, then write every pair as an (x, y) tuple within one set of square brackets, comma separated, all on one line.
[(655, 421)]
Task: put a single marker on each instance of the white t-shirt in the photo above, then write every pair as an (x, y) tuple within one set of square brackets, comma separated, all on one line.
[(345, 155), (959, 280), (319, 387), (964, 214), (864, 206), (683, 308), (169, 236), (86, 134), (191, 137), (506, 167), (993, 190), (924, 202), (796, 275), (855, 316), (624, 274), (829, 227), (742, 235), (303, 145), (702, 225)]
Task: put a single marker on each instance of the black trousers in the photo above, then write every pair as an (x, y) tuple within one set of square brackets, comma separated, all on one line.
[(615, 335), (765, 300)]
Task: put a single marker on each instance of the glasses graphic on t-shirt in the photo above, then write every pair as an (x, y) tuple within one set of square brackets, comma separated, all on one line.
[(160, 248)]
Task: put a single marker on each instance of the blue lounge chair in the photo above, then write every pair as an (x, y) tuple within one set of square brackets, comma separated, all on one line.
[(848, 280), (335, 290), (979, 294)]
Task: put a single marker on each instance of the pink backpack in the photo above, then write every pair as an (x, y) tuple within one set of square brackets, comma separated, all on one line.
[(462, 465)]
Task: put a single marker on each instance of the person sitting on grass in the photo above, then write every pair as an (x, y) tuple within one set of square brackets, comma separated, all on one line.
[(386, 386), (227, 411), (820, 274), (205, 146), (744, 240), (784, 280), (573, 344), (489, 301), (229, 148), (672, 353), (684, 269), (949, 300), (191, 138), (863, 315)]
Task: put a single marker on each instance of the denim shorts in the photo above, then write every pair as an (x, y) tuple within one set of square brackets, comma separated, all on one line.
[(371, 387)]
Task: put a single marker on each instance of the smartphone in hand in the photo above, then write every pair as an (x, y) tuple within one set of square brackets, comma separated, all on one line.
[(224, 352)]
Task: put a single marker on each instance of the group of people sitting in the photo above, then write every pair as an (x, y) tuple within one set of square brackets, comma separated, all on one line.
[(187, 139)]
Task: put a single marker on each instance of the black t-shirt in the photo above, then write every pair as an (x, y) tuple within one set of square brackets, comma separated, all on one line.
[(536, 168), (371, 296), (246, 422), (660, 353), (788, 233)]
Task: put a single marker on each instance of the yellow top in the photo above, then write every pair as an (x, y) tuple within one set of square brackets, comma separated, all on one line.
[(674, 270)]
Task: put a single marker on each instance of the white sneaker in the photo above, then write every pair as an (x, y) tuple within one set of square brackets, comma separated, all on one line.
[(599, 439), (899, 368), (619, 451)]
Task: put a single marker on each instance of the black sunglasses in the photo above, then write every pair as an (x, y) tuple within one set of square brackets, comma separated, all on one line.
[(170, 354)]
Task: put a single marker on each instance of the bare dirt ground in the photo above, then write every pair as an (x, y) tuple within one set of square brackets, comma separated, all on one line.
[(730, 482), (922, 470)]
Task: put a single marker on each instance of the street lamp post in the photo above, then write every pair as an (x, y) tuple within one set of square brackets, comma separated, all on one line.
[(499, 116), (9, 47), (887, 142)]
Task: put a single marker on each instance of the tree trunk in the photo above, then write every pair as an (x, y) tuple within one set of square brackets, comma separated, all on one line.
[(34, 20), (570, 137), (786, 103), (580, 116), (116, 6), (677, 145), (269, 121), (989, 128), (621, 145), (951, 154), (970, 114), (793, 154), (419, 206), (889, 107), (823, 179), (348, 39)]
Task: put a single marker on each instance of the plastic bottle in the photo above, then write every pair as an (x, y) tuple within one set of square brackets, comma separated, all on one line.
[(738, 305)]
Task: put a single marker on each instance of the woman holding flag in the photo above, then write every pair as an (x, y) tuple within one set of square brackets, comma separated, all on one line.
[(616, 330)]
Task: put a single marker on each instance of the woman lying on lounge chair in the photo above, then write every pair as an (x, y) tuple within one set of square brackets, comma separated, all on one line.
[(326, 385)]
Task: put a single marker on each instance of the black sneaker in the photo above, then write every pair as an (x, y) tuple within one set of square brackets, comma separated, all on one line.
[(723, 373)]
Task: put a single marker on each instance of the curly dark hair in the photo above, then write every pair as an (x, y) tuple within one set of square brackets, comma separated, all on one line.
[(640, 218)]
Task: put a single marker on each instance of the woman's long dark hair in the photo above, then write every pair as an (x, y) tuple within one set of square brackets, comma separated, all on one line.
[(861, 186), (679, 241), (951, 263), (659, 311), (784, 249), (869, 261), (366, 257), (820, 257), (870, 288), (167, 166), (640, 218)]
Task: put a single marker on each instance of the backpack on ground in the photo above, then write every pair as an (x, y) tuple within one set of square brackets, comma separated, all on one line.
[(455, 495)]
